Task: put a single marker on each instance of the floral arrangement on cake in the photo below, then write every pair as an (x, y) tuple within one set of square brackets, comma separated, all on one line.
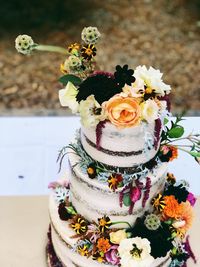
[(125, 98), (136, 245)]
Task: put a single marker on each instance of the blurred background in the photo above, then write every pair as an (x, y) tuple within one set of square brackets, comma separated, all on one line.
[(161, 33)]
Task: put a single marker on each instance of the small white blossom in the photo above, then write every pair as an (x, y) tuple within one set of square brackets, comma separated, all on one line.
[(135, 252), (152, 79), (24, 44), (91, 112), (67, 97), (90, 35), (61, 193), (150, 110)]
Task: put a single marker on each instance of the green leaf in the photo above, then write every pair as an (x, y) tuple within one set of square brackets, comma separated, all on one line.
[(70, 78), (71, 210), (176, 132), (127, 200), (166, 121), (195, 154)]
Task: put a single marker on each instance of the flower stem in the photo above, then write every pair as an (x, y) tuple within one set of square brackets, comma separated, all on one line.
[(177, 139), (51, 48), (120, 222)]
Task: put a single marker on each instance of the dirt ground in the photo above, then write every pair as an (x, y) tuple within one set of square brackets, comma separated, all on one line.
[(162, 33)]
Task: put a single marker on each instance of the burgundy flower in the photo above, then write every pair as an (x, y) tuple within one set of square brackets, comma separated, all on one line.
[(105, 73), (99, 130), (112, 255), (157, 131), (147, 191), (135, 194)]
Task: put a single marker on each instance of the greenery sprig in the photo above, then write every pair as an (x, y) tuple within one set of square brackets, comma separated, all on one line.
[(175, 133)]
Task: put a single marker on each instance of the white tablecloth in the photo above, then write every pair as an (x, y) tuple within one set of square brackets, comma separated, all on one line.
[(29, 147)]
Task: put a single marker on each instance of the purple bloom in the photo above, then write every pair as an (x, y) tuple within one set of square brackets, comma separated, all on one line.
[(192, 199), (112, 255)]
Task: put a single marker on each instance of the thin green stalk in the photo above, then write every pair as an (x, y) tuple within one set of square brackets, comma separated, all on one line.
[(120, 222), (178, 139), (51, 48), (184, 150)]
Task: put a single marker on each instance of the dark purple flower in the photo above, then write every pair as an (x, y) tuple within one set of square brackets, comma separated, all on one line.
[(124, 75), (112, 255), (192, 199)]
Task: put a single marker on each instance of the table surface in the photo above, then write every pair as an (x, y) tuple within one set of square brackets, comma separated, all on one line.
[(29, 147), (23, 226)]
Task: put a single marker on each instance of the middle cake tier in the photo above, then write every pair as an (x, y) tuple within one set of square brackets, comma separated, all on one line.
[(93, 199)]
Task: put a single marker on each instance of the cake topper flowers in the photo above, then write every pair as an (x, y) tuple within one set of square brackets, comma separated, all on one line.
[(125, 98)]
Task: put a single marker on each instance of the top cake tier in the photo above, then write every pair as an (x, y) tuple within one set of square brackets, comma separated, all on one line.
[(126, 147)]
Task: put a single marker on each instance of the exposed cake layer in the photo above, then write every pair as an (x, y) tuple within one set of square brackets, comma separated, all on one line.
[(93, 199), (121, 147), (70, 258)]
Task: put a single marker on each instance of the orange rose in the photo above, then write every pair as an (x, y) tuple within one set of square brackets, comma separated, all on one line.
[(123, 111)]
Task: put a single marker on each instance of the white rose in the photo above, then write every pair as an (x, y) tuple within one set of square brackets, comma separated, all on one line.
[(152, 79), (67, 97), (135, 252), (150, 110)]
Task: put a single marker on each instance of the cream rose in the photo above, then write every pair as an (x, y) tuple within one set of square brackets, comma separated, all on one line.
[(123, 111), (117, 237), (67, 97)]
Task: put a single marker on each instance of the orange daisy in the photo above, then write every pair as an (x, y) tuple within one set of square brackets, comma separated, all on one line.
[(103, 244)]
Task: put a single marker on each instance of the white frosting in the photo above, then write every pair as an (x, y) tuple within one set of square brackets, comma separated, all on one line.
[(126, 140), (73, 259), (93, 199)]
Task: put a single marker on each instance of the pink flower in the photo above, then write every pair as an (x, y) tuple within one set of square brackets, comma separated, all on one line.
[(165, 149), (112, 255), (61, 183), (135, 194), (192, 199)]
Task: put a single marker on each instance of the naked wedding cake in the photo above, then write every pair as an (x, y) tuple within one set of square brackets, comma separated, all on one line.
[(118, 205)]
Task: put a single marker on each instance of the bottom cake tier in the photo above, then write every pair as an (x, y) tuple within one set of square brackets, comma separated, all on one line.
[(59, 254)]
